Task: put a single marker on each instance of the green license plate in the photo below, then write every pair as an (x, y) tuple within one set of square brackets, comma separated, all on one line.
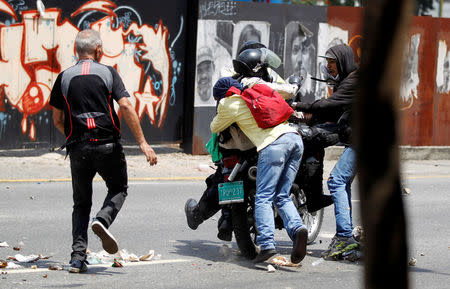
[(231, 193)]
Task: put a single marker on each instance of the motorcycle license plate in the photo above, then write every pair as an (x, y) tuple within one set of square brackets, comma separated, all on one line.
[(232, 192)]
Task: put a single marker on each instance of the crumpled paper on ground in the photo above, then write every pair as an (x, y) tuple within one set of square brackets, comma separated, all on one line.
[(12, 265), (103, 257), (283, 261), (27, 259)]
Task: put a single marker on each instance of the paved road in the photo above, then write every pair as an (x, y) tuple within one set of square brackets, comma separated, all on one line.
[(38, 215)]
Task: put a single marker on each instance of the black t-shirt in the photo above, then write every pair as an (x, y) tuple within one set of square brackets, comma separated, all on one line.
[(86, 92)]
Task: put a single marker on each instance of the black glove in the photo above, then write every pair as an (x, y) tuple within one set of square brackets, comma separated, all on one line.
[(301, 106)]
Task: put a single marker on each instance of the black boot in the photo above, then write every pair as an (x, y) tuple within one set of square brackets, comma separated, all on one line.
[(193, 216), (224, 225)]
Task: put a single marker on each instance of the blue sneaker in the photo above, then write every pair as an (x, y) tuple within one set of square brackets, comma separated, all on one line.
[(77, 266)]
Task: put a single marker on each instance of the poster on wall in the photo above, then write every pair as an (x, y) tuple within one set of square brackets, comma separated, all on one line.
[(147, 50), (291, 31)]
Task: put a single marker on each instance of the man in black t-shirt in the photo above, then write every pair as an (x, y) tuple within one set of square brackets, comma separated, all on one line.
[(83, 110)]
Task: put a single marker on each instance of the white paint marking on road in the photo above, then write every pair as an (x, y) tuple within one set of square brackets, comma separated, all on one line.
[(106, 265), (326, 235)]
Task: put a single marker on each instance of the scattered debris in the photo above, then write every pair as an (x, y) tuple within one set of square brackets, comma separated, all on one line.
[(406, 191), (26, 259), (3, 263), (16, 248), (271, 269), (103, 257), (127, 257), (148, 256), (282, 261), (116, 264), (412, 261), (12, 265), (55, 268), (4, 245), (317, 262), (422, 254), (7, 187), (309, 253), (45, 276)]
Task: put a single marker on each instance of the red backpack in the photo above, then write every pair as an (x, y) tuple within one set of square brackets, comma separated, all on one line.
[(268, 107)]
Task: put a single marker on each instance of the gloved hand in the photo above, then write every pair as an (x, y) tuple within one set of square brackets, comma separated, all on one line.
[(301, 106)]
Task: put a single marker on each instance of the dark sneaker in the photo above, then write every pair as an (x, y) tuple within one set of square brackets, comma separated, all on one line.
[(319, 202), (299, 248), (77, 266), (338, 246), (109, 243), (264, 255), (192, 214)]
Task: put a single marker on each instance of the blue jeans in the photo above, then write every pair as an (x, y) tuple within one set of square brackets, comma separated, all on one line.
[(278, 164), (339, 184)]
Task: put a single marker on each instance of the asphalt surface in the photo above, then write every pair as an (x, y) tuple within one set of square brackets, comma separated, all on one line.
[(36, 216)]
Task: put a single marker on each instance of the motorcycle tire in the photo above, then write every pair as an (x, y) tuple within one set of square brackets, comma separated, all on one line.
[(313, 222), (241, 231)]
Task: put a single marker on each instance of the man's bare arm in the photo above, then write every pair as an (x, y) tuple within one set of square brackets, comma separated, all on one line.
[(58, 119), (133, 123)]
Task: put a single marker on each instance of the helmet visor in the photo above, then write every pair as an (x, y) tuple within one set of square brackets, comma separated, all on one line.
[(270, 58)]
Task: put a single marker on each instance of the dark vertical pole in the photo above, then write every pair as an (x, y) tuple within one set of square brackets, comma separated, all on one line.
[(189, 74), (376, 131)]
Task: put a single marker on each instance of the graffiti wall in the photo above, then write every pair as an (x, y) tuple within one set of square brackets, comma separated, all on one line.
[(37, 43), (299, 34)]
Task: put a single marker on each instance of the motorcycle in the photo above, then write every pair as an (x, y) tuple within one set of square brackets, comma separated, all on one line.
[(239, 169)]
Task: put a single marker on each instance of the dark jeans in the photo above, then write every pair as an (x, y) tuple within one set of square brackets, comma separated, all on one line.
[(87, 159)]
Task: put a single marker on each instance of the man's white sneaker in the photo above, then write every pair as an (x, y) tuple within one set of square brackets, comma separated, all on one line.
[(109, 243)]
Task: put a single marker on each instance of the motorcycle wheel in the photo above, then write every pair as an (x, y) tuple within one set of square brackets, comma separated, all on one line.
[(312, 221), (241, 229)]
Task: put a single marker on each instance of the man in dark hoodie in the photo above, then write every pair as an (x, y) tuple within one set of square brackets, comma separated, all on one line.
[(343, 75)]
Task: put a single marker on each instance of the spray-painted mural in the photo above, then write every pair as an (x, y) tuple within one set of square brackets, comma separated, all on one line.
[(34, 49)]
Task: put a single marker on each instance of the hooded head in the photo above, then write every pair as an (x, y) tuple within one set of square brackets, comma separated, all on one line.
[(222, 86), (345, 62)]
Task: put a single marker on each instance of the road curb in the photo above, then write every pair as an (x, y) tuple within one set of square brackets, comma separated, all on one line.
[(406, 153)]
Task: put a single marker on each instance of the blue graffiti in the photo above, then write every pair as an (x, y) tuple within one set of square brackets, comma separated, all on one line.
[(18, 5), (3, 117), (176, 66)]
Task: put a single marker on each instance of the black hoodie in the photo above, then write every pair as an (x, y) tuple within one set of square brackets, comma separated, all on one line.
[(338, 105)]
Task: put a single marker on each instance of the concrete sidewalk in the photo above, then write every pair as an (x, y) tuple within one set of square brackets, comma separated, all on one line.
[(173, 164)]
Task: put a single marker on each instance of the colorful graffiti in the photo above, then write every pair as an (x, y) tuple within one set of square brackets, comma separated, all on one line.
[(34, 50)]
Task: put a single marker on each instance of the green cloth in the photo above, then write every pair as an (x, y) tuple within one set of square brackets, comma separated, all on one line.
[(213, 148)]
